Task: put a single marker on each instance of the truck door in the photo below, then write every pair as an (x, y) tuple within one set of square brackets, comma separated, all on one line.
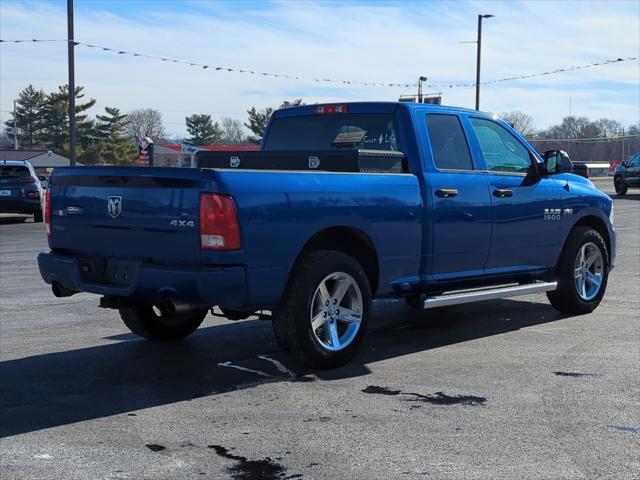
[(527, 210), (457, 233), (633, 172)]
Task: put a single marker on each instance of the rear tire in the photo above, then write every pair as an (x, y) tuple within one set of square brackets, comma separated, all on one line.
[(582, 273), (319, 277), (621, 188), (144, 321), (37, 216)]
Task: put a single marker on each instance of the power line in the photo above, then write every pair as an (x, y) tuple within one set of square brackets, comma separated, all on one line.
[(32, 40), (591, 139), (219, 68), (532, 75)]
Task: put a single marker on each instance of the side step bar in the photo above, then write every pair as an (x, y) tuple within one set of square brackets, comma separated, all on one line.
[(488, 294)]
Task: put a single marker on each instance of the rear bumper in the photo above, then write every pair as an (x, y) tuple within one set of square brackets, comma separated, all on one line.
[(203, 286), (20, 205)]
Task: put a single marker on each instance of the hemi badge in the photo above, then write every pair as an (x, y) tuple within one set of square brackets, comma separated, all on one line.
[(568, 211)]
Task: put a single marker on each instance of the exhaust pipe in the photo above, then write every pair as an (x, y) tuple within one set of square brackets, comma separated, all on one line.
[(60, 292), (175, 307)]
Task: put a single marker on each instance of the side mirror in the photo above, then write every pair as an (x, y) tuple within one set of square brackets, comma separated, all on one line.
[(557, 161)]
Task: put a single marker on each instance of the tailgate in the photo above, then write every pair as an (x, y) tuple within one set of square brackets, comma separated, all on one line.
[(146, 214)]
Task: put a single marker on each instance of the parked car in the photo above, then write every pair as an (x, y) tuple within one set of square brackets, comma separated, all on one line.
[(580, 168), (44, 181), (627, 175), (565, 164), (343, 203), (20, 190)]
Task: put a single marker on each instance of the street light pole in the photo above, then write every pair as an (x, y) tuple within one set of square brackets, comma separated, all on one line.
[(72, 84), (479, 42)]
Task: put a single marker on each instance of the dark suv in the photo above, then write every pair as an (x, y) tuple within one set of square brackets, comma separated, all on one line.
[(20, 189), (627, 175)]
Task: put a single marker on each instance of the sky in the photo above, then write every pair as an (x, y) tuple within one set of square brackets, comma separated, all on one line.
[(365, 41)]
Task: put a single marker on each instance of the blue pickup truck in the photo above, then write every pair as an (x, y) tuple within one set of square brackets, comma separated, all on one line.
[(342, 204)]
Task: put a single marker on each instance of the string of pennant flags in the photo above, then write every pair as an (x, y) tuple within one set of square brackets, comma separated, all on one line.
[(219, 68)]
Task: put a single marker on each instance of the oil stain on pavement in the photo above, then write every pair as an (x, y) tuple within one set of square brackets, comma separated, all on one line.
[(575, 374), (155, 447), (622, 428), (245, 469), (438, 398)]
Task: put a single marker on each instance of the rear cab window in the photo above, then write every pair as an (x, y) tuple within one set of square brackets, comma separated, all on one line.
[(339, 131), (448, 142), (12, 171)]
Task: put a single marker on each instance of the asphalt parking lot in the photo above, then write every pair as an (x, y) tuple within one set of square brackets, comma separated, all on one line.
[(506, 389)]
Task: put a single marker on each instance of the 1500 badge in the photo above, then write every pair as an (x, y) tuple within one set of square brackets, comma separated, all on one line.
[(556, 213)]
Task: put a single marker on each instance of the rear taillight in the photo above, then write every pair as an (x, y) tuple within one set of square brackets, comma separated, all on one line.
[(28, 180), (329, 109), (33, 194), (219, 228), (47, 212)]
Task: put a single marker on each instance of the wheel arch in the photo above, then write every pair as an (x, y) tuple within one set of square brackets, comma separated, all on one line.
[(592, 221), (351, 241)]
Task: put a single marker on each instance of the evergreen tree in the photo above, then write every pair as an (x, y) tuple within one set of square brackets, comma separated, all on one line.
[(258, 121), (29, 105), (110, 127), (113, 146), (55, 114), (203, 130)]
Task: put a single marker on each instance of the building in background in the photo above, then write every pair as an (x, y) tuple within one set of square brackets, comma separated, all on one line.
[(42, 160)]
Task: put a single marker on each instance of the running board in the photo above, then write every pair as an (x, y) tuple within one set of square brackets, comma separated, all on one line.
[(489, 294)]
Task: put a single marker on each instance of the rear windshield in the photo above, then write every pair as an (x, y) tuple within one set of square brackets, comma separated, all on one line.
[(333, 132), (14, 171)]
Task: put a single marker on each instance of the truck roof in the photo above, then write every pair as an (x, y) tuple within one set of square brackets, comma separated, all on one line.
[(368, 107), (15, 163)]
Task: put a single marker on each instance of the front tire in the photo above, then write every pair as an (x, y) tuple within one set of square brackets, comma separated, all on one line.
[(37, 216), (155, 324), (582, 273), (620, 186), (324, 313)]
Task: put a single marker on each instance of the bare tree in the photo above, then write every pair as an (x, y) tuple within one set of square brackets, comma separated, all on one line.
[(145, 122), (606, 127), (520, 121), (232, 131), (5, 140)]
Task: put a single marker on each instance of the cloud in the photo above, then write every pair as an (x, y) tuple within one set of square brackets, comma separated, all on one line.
[(372, 41)]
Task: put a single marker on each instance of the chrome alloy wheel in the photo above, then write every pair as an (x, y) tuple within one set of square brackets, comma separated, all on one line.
[(336, 311), (588, 271)]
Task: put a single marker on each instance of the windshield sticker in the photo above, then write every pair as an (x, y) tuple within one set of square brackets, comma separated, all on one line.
[(382, 139), (349, 137)]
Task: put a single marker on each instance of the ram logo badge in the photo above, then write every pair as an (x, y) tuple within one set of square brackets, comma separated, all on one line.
[(114, 206), (314, 162), (234, 162)]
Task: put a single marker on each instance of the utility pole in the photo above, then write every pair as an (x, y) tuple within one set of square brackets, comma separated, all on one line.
[(15, 127), (569, 105), (72, 84), (479, 45)]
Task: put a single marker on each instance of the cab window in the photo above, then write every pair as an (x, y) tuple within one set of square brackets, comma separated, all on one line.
[(501, 150), (448, 143)]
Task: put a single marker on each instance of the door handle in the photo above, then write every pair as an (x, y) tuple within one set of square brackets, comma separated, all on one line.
[(447, 192), (503, 192)]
